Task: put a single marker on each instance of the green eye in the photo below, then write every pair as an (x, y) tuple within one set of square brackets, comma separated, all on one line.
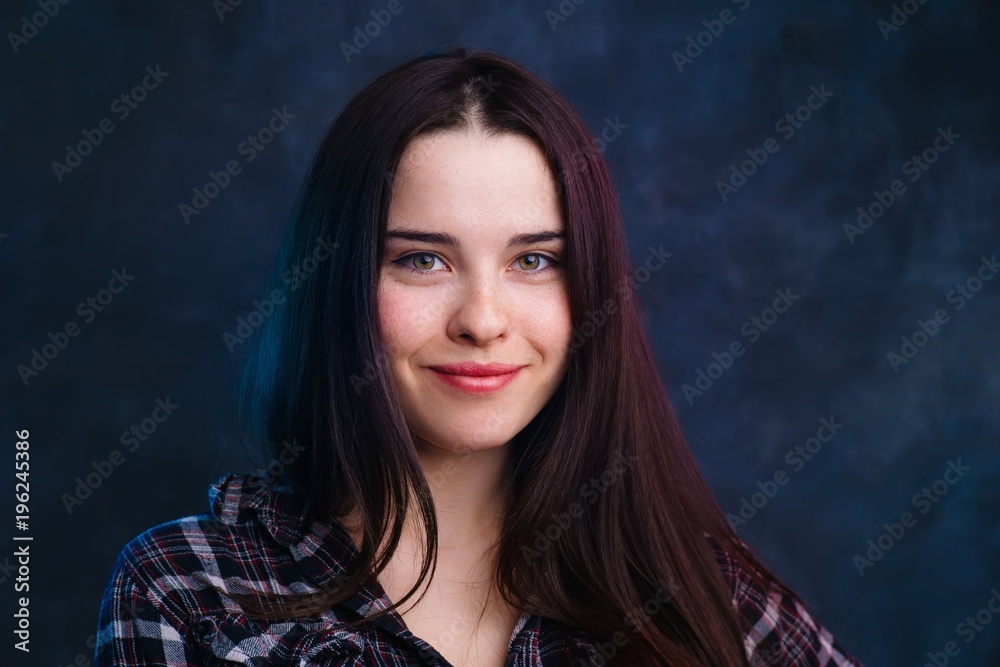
[(534, 263), (427, 259), (421, 258)]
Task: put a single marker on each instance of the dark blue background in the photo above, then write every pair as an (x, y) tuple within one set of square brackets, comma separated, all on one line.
[(825, 357)]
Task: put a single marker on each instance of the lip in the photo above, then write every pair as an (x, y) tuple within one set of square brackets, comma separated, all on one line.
[(472, 369), (475, 378)]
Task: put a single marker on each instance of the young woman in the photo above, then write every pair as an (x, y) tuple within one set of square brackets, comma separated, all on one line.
[(461, 407)]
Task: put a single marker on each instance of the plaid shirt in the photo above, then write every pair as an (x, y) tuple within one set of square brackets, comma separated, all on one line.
[(159, 610)]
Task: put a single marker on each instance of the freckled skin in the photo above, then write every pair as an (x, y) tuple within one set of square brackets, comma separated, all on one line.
[(481, 302)]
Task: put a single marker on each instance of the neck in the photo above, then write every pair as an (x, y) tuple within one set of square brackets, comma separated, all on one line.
[(469, 491)]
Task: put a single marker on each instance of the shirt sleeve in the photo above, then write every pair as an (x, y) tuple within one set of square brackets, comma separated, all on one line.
[(134, 629), (781, 629)]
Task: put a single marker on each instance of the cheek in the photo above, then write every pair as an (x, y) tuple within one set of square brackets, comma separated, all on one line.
[(550, 322), (392, 318), (407, 319)]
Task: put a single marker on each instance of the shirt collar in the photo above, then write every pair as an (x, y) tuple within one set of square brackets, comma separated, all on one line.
[(321, 550)]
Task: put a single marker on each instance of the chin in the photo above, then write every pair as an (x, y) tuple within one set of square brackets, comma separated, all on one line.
[(464, 435)]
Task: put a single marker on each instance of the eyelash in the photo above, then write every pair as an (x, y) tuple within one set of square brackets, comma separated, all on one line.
[(402, 262)]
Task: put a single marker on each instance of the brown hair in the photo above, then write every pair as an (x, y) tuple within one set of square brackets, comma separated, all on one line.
[(647, 529)]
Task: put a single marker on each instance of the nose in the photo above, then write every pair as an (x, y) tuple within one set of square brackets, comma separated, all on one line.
[(480, 311)]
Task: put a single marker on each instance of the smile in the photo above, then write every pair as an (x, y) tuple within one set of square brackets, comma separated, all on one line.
[(477, 384)]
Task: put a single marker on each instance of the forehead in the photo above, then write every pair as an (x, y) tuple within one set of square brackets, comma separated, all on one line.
[(460, 146), (467, 175)]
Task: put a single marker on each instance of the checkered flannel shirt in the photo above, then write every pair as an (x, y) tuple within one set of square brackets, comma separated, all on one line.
[(158, 608)]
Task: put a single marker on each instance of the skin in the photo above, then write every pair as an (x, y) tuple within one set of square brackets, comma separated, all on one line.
[(482, 302)]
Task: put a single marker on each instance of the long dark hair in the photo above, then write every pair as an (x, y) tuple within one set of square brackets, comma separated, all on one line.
[(317, 379)]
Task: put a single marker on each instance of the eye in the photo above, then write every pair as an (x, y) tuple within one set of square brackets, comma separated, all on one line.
[(534, 259), (424, 261)]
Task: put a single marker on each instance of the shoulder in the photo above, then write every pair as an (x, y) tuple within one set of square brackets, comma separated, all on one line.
[(181, 564), (170, 596), (779, 627)]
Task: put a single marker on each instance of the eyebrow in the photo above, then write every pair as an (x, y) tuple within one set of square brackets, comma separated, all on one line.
[(440, 238)]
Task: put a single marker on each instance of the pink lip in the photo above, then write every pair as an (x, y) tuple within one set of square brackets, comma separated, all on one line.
[(477, 378), (475, 370)]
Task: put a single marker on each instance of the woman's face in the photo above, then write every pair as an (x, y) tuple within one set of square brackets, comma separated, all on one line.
[(462, 282)]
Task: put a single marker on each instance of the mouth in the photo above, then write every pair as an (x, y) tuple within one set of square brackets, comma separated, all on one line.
[(477, 378)]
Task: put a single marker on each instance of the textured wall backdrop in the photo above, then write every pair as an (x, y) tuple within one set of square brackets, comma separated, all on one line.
[(833, 368)]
